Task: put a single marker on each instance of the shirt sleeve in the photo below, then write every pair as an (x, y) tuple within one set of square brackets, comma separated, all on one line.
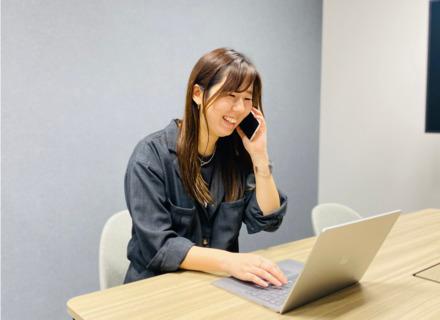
[(161, 247), (254, 218)]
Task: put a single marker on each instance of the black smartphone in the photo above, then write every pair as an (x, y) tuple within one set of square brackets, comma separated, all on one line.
[(250, 125)]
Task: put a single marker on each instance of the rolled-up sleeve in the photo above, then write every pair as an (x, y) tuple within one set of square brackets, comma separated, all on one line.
[(254, 218), (162, 249)]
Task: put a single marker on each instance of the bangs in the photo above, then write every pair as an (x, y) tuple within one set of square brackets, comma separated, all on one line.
[(239, 77)]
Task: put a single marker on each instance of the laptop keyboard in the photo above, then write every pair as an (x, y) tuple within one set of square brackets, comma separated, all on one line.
[(272, 294)]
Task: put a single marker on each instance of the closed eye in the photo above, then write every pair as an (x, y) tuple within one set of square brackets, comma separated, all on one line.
[(234, 96)]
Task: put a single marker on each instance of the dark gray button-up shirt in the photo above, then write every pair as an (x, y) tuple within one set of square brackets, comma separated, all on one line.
[(167, 222)]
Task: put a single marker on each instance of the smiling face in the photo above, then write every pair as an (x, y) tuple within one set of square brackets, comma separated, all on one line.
[(226, 112)]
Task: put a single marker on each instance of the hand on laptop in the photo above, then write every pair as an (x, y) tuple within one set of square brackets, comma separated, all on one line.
[(254, 268)]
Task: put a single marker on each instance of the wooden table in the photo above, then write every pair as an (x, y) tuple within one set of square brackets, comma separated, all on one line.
[(387, 291)]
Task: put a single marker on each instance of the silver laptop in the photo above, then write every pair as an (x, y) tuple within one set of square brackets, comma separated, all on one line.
[(339, 258)]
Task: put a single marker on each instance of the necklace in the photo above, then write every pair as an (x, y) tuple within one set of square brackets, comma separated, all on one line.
[(203, 163)]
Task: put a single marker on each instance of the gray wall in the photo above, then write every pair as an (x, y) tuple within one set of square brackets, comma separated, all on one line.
[(83, 81)]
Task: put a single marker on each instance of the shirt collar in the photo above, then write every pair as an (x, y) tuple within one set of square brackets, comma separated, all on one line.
[(171, 132)]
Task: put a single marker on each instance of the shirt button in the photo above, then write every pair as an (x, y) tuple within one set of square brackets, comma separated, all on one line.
[(205, 242)]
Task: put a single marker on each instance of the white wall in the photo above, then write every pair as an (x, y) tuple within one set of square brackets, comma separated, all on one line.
[(374, 154)]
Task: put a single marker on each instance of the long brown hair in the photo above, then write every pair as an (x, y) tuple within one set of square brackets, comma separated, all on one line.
[(240, 74)]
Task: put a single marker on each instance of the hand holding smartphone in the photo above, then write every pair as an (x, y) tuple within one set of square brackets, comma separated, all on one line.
[(250, 125)]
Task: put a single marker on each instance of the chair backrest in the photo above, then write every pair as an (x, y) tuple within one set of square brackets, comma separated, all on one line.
[(330, 214), (113, 262)]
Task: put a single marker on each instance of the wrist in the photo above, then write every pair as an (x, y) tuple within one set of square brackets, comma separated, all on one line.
[(225, 262), (262, 158), (263, 169)]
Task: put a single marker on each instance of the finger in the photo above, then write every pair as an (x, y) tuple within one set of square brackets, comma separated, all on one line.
[(257, 111), (283, 276), (276, 272), (257, 280), (258, 133), (262, 273), (240, 132), (259, 119), (273, 269)]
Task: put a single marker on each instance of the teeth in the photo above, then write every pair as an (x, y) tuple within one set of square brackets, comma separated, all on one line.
[(229, 119)]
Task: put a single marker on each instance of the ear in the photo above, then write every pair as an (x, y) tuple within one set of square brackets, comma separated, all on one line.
[(197, 94)]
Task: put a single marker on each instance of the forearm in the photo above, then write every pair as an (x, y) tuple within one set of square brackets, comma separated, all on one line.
[(244, 266), (266, 190), (205, 259)]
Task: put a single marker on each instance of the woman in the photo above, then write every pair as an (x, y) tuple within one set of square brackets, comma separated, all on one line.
[(190, 186)]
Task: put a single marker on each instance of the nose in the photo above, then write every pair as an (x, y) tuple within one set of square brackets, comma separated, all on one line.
[(238, 105)]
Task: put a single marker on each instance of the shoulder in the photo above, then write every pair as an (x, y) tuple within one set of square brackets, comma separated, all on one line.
[(155, 147), (150, 147)]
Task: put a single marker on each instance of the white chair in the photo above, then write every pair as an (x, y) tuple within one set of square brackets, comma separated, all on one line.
[(113, 262), (330, 214)]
